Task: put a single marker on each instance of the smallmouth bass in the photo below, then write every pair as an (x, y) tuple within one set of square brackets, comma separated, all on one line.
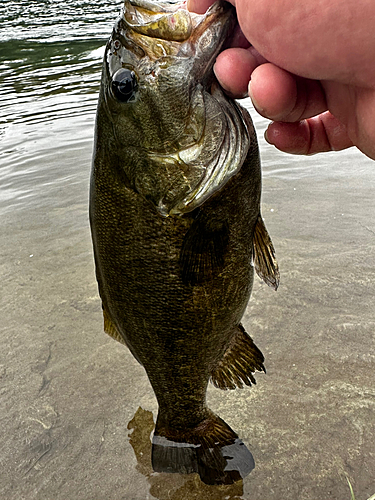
[(176, 226)]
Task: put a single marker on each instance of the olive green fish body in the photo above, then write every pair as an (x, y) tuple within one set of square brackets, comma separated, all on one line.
[(175, 212), (175, 318)]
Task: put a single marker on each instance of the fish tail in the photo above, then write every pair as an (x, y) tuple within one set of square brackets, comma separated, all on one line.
[(212, 449)]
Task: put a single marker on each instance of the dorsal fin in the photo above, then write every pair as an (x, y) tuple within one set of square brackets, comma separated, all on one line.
[(265, 262), (110, 328)]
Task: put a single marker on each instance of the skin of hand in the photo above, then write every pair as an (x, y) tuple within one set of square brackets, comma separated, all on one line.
[(308, 66)]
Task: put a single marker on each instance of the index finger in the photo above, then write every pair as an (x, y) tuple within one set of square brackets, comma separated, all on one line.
[(233, 69)]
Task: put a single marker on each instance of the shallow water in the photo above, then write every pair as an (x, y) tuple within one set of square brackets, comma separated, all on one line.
[(50, 55), (70, 395)]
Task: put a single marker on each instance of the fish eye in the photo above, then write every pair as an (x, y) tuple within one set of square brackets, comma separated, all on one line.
[(124, 85)]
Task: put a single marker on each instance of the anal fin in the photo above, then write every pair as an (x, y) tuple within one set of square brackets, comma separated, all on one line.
[(265, 262), (241, 359)]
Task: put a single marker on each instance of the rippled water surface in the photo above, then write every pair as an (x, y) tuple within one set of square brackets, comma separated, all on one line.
[(50, 53)]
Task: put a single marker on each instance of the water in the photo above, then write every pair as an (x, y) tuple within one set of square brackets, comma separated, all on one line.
[(69, 394), (50, 63)]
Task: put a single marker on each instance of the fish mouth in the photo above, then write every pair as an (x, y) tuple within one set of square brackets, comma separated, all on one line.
[(160, 30), (171, 21), (167, 21)]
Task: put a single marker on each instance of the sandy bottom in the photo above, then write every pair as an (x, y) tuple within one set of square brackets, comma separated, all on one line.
[(77, 410)]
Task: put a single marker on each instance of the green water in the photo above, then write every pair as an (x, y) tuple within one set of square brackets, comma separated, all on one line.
[(50, 65)]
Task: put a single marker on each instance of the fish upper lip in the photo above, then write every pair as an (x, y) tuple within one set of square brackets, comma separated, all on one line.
[(174, 24)]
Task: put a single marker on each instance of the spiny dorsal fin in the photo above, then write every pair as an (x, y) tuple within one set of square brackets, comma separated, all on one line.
[(110, 328), (265, 262), (240, 361)]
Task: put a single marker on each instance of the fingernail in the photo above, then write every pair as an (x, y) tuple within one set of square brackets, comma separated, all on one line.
[(253, 100), (217, 78), (214, 69)]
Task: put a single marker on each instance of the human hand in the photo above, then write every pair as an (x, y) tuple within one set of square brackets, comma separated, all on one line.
[(311, 70)]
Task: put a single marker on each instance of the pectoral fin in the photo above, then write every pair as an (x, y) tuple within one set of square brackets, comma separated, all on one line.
[(203, 250), (265, 262)]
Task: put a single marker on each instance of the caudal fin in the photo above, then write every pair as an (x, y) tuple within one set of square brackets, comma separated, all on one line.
[(212, 449)]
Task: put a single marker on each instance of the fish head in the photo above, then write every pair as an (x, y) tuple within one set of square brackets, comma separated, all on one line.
[(177, 137)]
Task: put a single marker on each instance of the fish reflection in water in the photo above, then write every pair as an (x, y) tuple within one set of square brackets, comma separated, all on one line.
[(172, 486), (176, 226)]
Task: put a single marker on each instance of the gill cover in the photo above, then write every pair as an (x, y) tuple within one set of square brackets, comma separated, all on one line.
[(180, 138)]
